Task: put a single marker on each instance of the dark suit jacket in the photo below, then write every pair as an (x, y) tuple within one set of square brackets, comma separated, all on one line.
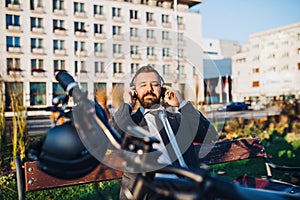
[(189, 126)]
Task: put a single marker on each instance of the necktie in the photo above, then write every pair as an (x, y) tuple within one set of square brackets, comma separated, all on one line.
[(170, 134)]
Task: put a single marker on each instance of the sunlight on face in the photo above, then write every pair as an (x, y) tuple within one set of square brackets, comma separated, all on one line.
[(148, 88)]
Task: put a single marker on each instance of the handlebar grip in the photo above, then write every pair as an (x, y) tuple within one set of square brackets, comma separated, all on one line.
[(65, 80)]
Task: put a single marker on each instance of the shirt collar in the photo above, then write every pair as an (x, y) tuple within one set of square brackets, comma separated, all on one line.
[(145, 110)]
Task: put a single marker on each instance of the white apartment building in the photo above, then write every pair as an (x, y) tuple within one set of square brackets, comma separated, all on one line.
[(101, 43), (268, 66)]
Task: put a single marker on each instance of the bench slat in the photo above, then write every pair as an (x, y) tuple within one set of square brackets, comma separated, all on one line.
[(232, 150), (36, 179)]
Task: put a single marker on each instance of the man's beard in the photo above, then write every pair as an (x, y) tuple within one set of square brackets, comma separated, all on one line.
[(148, 103)]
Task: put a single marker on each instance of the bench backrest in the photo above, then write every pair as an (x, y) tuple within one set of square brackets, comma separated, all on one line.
[(231, 150)]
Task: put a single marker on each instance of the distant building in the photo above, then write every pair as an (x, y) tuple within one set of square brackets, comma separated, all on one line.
[(217, 69), (268, 66), (101, 43)]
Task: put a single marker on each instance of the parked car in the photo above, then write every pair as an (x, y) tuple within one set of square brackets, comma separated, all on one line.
[(234, 106)]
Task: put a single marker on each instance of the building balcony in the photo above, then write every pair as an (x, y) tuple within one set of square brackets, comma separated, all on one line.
[(38, 10), (118, 37), (181, 26), (119, 75), (135, 39), (151, 23), (100, 36), (135, 56), (39, 30), (80, 14), (152, 3), (100, 54), (167, 41), (15, 28), (38, 72), (101, 75), (38, 50), (166, 25), (167, 58), (80, 32), (14, 50), (16, 7), (61, 12), (152, 57), (135, 21), (182, 8), (14, 71), (118, 19), (151, 40), (100, 17), (60, 31), (82, 53), (118, 55), (60, 52), (58, 70)]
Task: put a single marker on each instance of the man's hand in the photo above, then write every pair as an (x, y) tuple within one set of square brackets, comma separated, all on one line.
[(130, 97), (172, 97)]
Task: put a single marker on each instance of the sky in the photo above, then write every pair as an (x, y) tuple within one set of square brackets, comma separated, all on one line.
[(237, 19)]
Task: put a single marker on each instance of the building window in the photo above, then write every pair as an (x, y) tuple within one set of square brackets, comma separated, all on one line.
[(117, 48), (165, 18), (99, 67), (12, 20), (36, 22), (133, 32), (78, 7), (99, 87), (165, 52), (180, 36), (80, 67), (37, 93), (58, 5), (255, 84), (13, 64), (79, 26), (179, 20), (134, 49), (117, 68), (150, 51), (149, 17), (12, 2), (12, 42), (298, 66), (255, 70), (98, 10), (165, 35), (98, 28), (58, 45), (133, 14), (134, 67), (35, 4), (116, 30), (36, 43), (116, 12), (37, 65), (150, 34), (59, 65), (180, 53), (79, 46), (98, 47), (166, 69), (57, 90), (298, 36), (15, 89), (299, 51), (58, 25)]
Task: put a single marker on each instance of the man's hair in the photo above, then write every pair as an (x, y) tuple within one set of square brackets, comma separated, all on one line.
[(146, 69)]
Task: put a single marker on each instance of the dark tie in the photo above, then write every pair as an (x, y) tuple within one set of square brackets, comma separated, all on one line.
[(168, 135)]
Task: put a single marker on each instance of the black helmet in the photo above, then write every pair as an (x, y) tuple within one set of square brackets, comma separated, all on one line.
[(63, 155)]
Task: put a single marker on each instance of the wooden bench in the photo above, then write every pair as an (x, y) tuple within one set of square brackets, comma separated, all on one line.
[(31, 178)]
